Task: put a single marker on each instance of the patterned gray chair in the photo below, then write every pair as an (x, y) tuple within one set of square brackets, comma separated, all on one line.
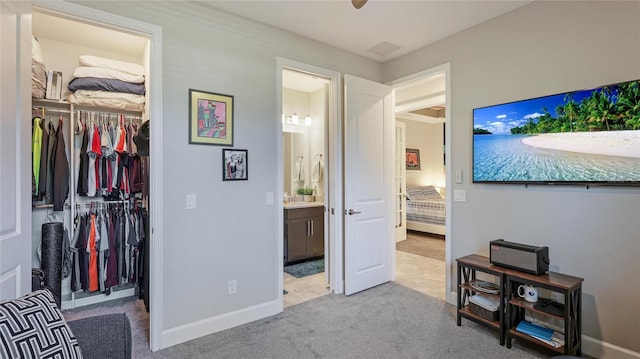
[(32, 326)]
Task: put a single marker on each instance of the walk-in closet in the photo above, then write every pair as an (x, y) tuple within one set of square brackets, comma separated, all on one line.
[(90, 149)]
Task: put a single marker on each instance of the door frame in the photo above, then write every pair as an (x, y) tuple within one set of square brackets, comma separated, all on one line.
[(154, 34), (446, 69), (333, 202)]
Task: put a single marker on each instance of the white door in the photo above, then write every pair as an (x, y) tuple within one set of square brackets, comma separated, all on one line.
[(15, 149), (400, 182), (368, 176)]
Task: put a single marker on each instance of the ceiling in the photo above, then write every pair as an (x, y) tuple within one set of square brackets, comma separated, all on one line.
[(381, 30)]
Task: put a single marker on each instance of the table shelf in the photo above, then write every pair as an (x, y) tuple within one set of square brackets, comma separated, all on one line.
[(514, 333), (521, 303), (467, 313)]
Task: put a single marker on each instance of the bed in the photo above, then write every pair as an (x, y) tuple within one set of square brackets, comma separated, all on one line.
[(425, 210)]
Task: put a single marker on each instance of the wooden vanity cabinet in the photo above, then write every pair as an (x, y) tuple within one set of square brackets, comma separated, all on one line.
[(303, 233)]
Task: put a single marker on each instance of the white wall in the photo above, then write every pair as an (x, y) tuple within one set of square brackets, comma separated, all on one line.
[(540, 49), (428, 138), (232, 234)]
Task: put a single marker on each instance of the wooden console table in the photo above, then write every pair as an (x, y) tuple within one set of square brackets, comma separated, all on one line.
[(509, 315)]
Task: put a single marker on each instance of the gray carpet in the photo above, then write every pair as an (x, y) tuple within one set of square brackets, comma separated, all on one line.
[(388, 321), (422, 244)]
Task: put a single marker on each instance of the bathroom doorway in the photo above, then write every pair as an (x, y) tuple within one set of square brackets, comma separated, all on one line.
[(306, 177)]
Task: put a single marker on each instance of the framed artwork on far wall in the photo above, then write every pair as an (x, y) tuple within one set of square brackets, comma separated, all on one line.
[(413, 159), (235, 165), (210, 118)]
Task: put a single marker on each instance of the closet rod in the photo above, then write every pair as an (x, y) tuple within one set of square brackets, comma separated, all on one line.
[(110, 116), (48, 205), (109, 113), (52, 109), (98, 202), (78, 204)]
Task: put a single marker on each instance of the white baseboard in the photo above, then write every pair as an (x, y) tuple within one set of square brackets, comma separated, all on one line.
[(603, 350), (212, 325), (83, 300)]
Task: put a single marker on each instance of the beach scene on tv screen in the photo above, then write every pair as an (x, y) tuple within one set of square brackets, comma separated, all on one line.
[(582, 136)]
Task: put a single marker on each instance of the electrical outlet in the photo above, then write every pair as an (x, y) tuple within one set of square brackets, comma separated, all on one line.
[(232, 287)]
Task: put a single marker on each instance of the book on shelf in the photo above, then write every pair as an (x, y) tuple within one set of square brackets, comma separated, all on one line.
[(54, 85), (556, 341), (534, 330)]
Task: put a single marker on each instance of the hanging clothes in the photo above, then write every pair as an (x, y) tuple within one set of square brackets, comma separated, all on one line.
[(103, 248), (75, 269), (36, 151), (53, 139), (83, 259), (83, 172), (44, 163), (93, 255), (91, 146), (60, 171), (111, 279)]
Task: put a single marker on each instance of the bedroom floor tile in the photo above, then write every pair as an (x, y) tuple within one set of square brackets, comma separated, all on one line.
[(422, 274)]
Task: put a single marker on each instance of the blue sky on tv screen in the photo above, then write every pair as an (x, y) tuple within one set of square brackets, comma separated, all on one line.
[(500, 119)]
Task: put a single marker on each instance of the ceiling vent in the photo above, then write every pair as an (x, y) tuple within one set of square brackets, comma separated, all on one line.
[(384, 48)]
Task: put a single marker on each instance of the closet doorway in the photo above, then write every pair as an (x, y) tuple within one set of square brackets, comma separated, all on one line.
[(423, 246), (57, 25), (307, 225)]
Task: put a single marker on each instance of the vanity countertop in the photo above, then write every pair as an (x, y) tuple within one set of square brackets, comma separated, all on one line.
[(291, 205)]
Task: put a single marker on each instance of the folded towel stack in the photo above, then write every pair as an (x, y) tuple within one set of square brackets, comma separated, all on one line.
[(108, 83)]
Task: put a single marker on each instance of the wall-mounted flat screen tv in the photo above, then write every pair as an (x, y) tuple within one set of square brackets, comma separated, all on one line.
[(589, 137)]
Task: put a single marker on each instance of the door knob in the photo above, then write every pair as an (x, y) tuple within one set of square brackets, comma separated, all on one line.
[(352, 212)]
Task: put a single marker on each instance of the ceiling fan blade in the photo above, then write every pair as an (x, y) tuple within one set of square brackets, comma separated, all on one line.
[(358, 3)]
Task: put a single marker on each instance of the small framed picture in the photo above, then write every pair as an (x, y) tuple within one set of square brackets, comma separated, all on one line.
[(235, 165), (210, 118), (413, 159)]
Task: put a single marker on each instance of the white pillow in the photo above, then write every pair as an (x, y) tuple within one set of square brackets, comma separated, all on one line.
[(36, 50), (88, 60)]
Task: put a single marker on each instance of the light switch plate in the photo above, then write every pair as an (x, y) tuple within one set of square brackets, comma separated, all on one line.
[(269, 198), (457, 178), (191, 201)]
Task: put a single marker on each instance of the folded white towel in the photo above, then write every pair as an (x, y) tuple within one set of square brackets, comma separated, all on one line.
[(298, 170), (316, 171)]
